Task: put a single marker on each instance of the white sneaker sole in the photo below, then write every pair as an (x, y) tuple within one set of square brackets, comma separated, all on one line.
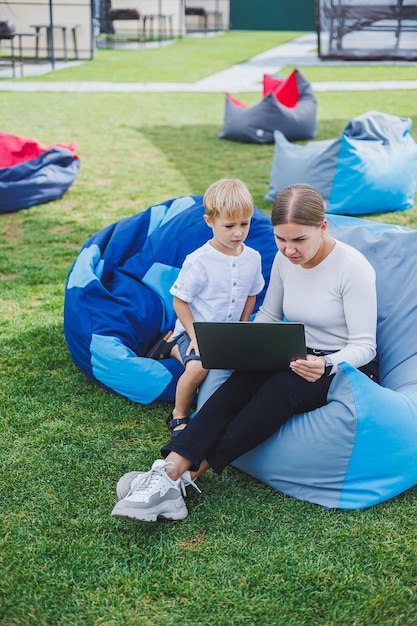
[(129, 510)]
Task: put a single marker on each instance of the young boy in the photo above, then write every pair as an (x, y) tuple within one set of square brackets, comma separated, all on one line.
[(217, 282)]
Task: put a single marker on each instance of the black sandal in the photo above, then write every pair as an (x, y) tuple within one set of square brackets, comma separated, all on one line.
[(162, 348), (173, 422)]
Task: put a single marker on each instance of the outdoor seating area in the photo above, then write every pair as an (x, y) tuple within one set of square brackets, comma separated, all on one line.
[(104, 166), (148, 27), (45, 30), (158, 20), (30, 46)]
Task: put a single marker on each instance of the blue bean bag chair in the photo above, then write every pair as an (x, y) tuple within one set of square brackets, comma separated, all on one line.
[(361, 448), (358, 450), (370, 168), (34, 174), (117, 300)]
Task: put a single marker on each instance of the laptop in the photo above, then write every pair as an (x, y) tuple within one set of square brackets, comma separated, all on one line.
[(249, 345)]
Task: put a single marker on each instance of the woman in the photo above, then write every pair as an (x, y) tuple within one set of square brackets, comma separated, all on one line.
[(316, 280)]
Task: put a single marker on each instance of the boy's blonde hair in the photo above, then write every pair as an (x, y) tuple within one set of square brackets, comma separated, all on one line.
[(226, 197)]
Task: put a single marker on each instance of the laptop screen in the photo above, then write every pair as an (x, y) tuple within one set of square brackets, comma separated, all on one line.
[(249, 345)]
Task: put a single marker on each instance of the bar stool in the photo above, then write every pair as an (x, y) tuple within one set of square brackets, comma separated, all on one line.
[(63, 28), (8, 32), (165, 27), (218, 18), (203, 15)]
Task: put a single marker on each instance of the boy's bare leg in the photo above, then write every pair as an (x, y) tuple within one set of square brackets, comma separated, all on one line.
[(175, 353), (187, 385)]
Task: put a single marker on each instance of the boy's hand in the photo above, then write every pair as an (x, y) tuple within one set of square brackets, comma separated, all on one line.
[(193, 346)]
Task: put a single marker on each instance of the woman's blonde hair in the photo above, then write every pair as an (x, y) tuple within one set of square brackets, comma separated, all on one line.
[(226, 197), (298, 204)]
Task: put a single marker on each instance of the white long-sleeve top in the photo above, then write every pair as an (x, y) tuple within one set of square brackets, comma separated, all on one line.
[(336, 301)]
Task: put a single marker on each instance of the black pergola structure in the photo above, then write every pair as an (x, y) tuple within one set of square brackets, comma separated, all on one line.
[(367, 29)]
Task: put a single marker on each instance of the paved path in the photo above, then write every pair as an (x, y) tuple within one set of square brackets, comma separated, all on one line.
[(245, 77)]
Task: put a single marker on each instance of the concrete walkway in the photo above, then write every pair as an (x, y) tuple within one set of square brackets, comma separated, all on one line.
[(245, 77)]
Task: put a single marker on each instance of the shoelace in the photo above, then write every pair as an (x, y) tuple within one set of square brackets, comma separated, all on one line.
[(148, 480), (187, 480)]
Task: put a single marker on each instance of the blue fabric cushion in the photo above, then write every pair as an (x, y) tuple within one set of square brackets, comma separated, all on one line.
[(117, 300), (370, 168), (360, 448), (38, 181), (376, 167), (313, 163)]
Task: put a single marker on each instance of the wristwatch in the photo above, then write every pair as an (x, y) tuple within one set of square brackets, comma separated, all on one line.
[(329, 366)]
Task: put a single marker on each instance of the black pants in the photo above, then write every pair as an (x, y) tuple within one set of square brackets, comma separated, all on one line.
[(247, 409)]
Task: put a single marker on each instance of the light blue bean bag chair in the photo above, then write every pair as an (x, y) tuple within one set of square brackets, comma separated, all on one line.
[(358, 450), (370, 168), (361, 448)]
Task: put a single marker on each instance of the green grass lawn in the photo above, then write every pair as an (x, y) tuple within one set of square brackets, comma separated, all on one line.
[(190, 60), (185, 60), (246, 555)]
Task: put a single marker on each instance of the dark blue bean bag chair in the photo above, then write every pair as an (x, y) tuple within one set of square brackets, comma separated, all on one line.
[(358, 450), (33, 174), (117, 300)]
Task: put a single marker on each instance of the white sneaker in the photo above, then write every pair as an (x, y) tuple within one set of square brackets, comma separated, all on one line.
[(126, 483), (153, 494)]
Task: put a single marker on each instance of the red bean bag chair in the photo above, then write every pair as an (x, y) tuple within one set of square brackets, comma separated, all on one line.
[(288, 105)]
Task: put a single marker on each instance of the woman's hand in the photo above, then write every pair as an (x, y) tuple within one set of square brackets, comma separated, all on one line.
[(311, 369)]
